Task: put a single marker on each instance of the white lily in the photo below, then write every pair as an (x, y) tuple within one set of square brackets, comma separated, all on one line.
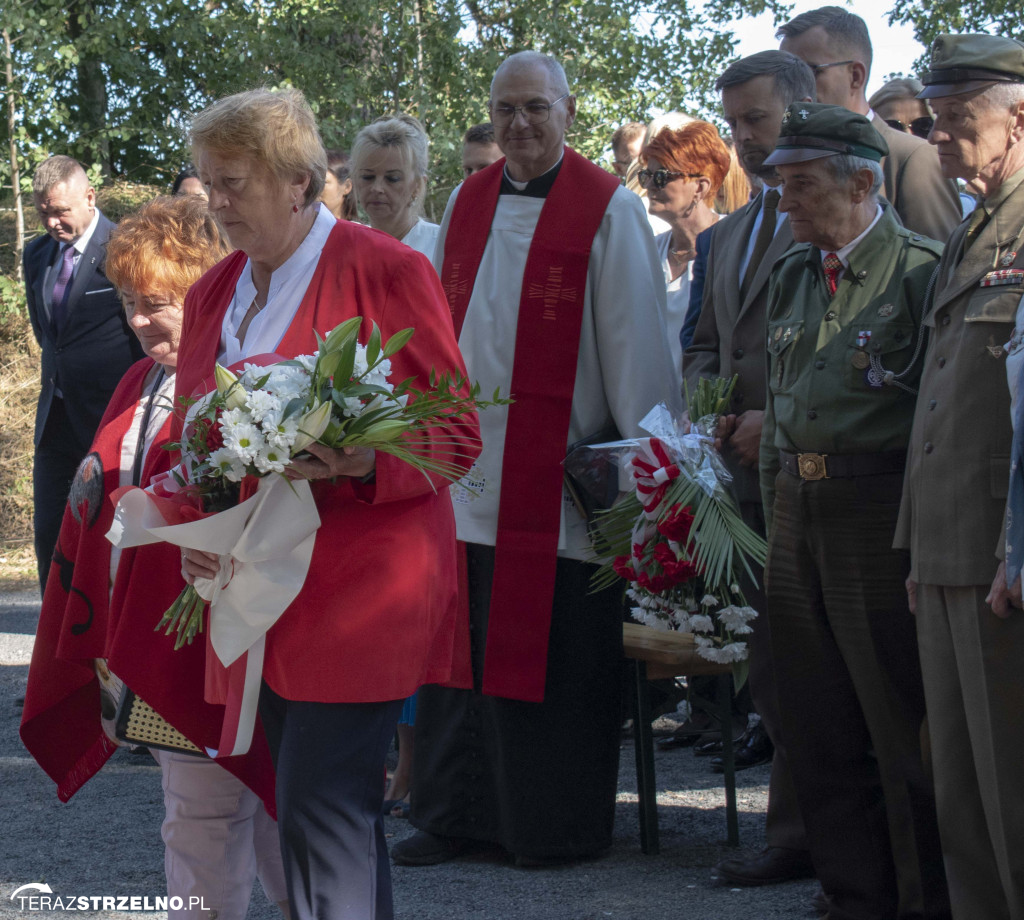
[(311, 426), (229, 387)]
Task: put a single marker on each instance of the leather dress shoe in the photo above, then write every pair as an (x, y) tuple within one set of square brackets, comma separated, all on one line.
[(771, 866), (426, 849), (753, 749)]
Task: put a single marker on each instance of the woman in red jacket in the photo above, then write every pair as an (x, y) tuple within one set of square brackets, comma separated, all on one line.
[(374, 619)]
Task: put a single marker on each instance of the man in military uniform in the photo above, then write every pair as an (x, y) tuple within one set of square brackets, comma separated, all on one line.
[(970, 627), (729, 339), (844, 313)]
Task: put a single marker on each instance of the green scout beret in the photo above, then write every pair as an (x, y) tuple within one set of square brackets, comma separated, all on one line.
[(962, 63), (811, 130)]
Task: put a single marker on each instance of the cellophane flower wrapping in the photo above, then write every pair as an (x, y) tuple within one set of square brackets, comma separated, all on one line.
[(675, 535)]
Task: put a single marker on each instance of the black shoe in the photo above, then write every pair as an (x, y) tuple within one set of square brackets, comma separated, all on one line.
[(755, 748), (771, 866), (426, 849)]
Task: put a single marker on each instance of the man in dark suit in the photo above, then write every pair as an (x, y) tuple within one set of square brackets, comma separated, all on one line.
[(77, 319), (730, 339), (835, 44)]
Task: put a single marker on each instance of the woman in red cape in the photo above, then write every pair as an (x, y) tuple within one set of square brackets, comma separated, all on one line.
[(375, 617), (217, 831)]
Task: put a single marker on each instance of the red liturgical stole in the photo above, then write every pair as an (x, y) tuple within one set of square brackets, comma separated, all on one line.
[(543, 377)]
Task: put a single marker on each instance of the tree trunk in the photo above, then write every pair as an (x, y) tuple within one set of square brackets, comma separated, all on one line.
[(92, 94), (19, 214)]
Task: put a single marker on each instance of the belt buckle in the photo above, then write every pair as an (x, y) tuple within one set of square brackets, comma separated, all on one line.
[(811, 466)]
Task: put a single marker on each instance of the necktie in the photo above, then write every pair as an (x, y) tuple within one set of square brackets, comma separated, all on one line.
[(62, 287), (765, 234), (979, 217), (833, 269)]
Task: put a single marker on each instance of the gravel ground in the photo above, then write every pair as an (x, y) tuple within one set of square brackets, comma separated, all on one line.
[(106, 841)]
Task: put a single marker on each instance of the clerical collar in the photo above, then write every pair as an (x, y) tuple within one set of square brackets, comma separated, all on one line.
[(532, 188)]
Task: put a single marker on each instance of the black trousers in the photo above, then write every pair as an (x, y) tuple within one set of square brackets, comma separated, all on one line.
[(538, 779), (851, 696), (53, 469), (329, 759)]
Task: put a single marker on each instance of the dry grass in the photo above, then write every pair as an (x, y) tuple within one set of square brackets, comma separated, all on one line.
[(19, 389)]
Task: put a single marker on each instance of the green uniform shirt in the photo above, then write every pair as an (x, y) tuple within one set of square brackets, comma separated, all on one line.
[(827, 356)]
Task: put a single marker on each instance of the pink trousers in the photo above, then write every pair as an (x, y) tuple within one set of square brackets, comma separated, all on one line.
[(217, 840)]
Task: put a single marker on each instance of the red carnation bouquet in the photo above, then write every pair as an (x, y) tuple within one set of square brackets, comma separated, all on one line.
[(676, 535)]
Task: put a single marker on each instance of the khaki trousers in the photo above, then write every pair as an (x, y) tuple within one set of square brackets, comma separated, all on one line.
[(973, 664), (851, 697)]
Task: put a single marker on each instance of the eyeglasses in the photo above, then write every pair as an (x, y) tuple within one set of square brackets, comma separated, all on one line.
[(817, 69), (661, 177), (535, 113), (919, 127)]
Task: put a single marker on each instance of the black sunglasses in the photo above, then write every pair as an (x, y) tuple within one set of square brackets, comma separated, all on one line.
[(919, 127), (661, 177)]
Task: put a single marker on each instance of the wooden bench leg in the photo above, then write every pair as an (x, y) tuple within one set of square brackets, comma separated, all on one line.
[(643, 739), (724, 694)]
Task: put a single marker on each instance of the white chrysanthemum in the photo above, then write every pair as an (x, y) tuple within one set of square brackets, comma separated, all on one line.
[(736, 618), (709, 600), (308, 362), (227, 464), (280, 432), (245, 439), (359, 366), (271, 460), (654, 620), (353, 407), (703, 642), (702, 623), (289, 383), (727, 654), (262, 403)]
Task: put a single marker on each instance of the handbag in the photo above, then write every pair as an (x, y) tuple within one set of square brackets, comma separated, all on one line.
[(139, 723)]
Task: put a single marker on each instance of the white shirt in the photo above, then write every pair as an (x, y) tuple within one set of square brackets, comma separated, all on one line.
[(287, 288), (422, 237), (677, 297), (844, 253), (624, 366)]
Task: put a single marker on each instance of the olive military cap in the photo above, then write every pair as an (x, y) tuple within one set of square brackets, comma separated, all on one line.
[(811, 130), (963, 63)]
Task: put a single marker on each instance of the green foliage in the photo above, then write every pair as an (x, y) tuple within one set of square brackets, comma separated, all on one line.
[(997, 17), (114, 82)]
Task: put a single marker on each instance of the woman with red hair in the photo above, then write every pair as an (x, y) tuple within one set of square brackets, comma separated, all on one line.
[(683, 169)]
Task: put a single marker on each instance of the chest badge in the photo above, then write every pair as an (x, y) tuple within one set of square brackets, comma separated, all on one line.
[(1008, 259), (886, 309), (995, 350)]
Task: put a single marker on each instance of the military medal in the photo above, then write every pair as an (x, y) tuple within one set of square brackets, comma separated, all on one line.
[(1003, 276), (863, 337), (860, 360), (1007, 260)]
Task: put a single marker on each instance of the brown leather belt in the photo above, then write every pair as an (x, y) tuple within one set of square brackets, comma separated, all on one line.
[(841, 466)]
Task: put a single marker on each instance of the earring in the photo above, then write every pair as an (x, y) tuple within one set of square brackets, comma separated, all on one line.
[(295, 208)]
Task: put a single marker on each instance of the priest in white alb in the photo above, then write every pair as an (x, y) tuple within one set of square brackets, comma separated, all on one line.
[(557, 294)]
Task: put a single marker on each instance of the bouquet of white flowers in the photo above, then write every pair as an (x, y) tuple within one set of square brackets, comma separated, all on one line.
[(256, 421)]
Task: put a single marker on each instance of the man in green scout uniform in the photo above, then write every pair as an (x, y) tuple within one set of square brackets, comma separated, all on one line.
[(844, 313), (970, 627)]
